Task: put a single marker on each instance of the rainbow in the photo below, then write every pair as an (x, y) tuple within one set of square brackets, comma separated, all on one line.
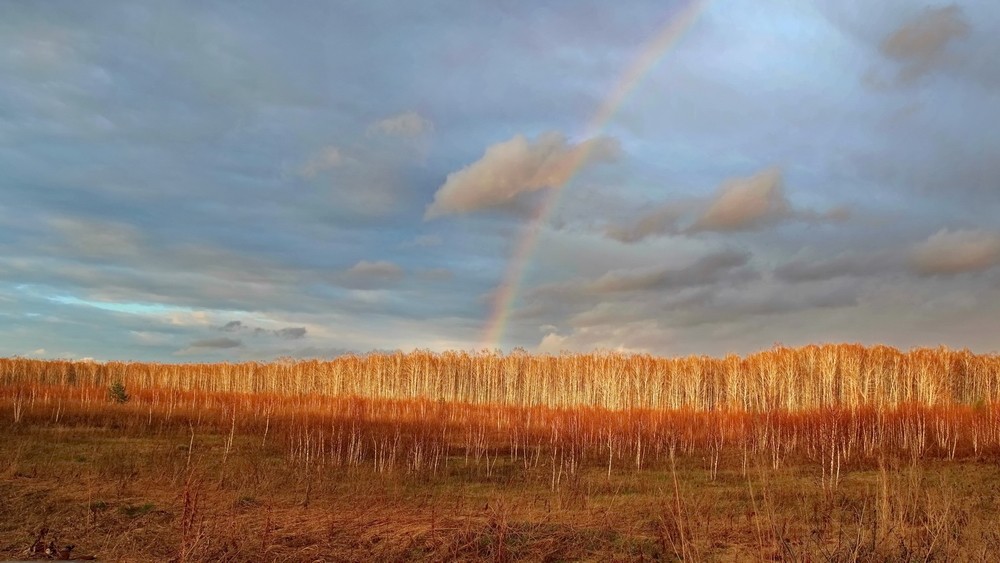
[(651, 53)]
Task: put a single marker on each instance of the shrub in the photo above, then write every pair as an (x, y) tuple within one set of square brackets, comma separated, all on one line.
[(118, 393)]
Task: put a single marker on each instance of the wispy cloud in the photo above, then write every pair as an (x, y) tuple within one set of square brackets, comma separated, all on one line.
[(662, 221), (326, 158), (424, 241), (407, 124), (106, 239), (845, 264), (221, 343), (725, 265), (366, 274)]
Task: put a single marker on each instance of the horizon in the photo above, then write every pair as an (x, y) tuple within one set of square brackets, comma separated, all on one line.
[(186, 183), (498, 353)]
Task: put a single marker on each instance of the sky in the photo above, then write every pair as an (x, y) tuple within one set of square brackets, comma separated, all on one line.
[(231, 181)]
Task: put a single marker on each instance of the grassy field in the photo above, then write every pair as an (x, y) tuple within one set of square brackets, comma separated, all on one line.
[(188, 469)]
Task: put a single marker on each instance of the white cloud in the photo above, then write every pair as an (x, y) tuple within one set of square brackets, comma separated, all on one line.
[(514, 167), (640, 336), (953, 252), (187, 318), (552, 343)]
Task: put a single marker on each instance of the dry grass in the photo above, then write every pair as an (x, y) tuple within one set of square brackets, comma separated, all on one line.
[(139, 500), (835, 453)]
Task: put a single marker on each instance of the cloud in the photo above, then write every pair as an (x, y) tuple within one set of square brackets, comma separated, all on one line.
[(366, 181), (407, 125), (846, 264), (954, 252), (640, 336), (744, 204), (726, 265), (659, 222), (834, 215), (98, 239), (221, 343), (763, 300), (366, 274), (552, 343), (288, 333), (514, 167), (739, 205), (921, 43), (424, 241), (707, 270), (326, 158), (436, 274), (291, 333), (378, 269), (208, 345)]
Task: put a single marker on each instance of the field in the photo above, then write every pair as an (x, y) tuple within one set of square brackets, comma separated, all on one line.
[(823, 453)]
